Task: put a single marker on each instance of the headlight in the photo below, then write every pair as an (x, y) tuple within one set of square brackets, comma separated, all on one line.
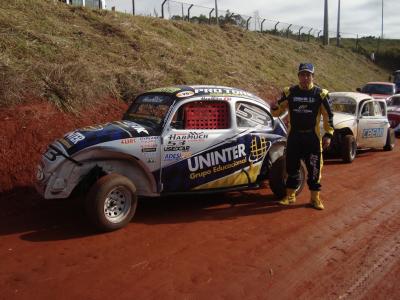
[(39, 173)]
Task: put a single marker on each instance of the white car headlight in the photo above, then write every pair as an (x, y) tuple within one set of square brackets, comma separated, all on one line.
[(39, 173)]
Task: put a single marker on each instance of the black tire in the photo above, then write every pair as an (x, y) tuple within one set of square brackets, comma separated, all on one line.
[(349, 148), (111, 202), (390, 140), (277, 177)]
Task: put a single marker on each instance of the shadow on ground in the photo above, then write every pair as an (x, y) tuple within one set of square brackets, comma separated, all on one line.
[(35, 219)]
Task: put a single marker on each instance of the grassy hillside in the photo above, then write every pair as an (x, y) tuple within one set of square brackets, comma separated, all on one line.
[(75, 57), (387, 52)]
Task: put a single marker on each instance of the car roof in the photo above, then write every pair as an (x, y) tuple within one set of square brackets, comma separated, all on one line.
[(190, 91), (381, 82), (358, 97)]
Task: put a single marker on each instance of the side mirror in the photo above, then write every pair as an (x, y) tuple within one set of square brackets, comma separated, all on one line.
[(358, 90)]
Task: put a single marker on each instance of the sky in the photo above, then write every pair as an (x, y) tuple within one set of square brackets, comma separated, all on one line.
[(362, 17)]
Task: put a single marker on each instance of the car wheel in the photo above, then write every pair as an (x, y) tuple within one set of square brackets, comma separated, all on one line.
[(278, 176), (111, 202), (390, 140), (349, 148)]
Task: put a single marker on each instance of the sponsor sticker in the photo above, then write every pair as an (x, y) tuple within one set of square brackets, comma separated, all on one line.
[(92, 128), (139, 128), (128, 141), (177, 156), (185, 94), (216, 157), (168, 89), (153, 99), (215, 98), (149, 149), (372, 133), (191, 136), (75, 137), (177, 148), (148, 138), (258, 148)]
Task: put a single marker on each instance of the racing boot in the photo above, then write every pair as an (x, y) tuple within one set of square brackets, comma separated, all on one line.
[(316, 201), (290, 197)]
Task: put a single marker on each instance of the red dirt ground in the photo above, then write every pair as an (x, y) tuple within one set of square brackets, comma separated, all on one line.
[(27, 129), (227, 246)]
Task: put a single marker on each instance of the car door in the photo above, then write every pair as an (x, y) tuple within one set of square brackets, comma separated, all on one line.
[(373, 124), (200, 150)]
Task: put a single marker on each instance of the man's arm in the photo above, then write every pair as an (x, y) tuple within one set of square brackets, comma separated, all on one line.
[(279, 107), (327, 115)]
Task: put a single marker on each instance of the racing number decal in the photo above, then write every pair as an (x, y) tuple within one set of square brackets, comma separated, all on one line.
[(252, 114)]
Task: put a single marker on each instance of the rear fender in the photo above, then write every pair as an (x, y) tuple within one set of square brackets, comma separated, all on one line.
[(338, 137), (276, 150)]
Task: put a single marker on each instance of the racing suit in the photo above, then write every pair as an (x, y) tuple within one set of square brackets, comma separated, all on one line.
[(304, 139)]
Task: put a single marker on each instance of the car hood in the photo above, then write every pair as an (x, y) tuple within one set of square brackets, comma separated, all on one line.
[(341, 119), (380, 96), (82, 138), (393, 108)]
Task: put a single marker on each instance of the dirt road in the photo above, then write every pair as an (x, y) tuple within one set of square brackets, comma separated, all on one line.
[(231, 246)]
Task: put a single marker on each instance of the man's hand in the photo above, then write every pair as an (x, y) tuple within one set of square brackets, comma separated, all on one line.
[(326, 141)]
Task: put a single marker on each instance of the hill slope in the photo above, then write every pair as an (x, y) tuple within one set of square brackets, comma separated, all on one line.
[(63, 67), (72, 56)]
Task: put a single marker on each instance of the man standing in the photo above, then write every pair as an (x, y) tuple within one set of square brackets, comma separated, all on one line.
[(306, 104)]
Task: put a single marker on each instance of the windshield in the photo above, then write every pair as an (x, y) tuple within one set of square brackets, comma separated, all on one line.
[(149, 109), (344, 105), (395, 101), (378, 89), (396, 77)]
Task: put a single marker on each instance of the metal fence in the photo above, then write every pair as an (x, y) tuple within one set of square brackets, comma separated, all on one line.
[(176, 10)]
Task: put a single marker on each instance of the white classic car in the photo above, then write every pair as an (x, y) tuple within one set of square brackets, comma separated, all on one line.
[(360, 122)]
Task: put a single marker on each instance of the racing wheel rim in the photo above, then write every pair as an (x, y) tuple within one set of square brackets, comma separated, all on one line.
[(117, 204)]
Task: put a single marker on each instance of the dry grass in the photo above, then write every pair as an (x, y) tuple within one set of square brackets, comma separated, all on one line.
[(74, 57)]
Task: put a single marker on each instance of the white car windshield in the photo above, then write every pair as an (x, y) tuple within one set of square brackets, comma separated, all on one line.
[(344, 105)]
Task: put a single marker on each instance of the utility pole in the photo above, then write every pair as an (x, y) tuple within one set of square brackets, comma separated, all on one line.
[(382, 22), (326, 29), (338, 26), (133, 7), (216, 12)]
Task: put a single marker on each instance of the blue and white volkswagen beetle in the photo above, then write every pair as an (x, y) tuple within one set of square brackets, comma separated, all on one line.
[(174, 140)]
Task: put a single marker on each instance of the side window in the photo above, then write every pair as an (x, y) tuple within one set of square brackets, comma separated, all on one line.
[(250, 115), (202, 115), (378, 109), (368, 110)]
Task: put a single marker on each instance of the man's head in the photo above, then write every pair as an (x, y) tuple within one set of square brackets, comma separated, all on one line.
[(306, 75)]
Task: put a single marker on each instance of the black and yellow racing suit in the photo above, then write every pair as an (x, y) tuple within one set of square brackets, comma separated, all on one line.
[(304, 140)]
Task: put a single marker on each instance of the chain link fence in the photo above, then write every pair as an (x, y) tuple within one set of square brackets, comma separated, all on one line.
[(177, 10)]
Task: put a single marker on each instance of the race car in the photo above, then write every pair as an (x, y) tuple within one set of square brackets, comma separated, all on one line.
[(360, 122), (394, 111), (379, 90), (173, 140)]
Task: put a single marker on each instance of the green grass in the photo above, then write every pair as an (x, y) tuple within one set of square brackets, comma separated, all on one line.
[(75, 57)]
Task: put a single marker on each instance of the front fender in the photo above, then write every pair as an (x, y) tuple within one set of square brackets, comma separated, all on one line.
[(69, 175)]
